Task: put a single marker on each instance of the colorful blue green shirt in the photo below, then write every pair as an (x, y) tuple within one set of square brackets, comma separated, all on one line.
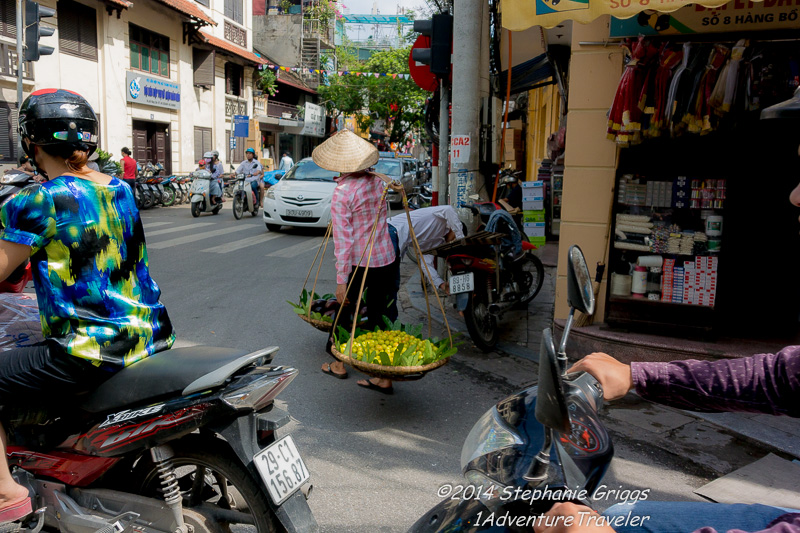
[(96, 296)]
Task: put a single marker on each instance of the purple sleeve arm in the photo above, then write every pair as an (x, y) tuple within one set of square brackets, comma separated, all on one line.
[(763, 383), (787, 523)]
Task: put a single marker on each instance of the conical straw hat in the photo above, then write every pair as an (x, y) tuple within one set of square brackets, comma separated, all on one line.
[(345, 152)]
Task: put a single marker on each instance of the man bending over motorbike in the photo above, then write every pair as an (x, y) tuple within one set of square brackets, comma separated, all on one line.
[(763, 383), (99, 306)]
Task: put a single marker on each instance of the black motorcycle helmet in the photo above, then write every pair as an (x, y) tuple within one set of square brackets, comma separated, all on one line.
[(59, 120)]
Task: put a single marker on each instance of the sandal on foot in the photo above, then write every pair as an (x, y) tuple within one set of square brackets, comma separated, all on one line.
[(332, 373), (370, 385), (16, 511)]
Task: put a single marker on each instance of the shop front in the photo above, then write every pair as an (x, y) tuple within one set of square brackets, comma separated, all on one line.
[(155, 105), (671, 179)]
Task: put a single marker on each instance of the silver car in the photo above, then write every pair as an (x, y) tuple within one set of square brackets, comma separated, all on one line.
[(397, 170), (301, 198)]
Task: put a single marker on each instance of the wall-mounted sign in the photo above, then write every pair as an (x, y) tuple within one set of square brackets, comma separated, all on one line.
[(738, 15), (149, 90), (241, 126), (313, 121), (459, 149)]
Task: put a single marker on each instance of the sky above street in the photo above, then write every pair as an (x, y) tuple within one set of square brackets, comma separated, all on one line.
[(386, 7)]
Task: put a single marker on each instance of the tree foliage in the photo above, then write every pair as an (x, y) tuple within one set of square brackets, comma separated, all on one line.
[(394, 100)]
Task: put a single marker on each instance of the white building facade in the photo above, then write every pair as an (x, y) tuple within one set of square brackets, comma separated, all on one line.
[(164, 76)]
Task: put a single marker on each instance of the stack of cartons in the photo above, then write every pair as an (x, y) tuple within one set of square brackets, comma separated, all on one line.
[(513, 151), (694, 283), (533, 211)]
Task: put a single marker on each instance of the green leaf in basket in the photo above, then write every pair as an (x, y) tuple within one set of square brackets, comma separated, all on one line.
[(316, 316), (341, 335), (407, 357), (328, 296), (326, 318), (299, 311), (415, 331), (384, 359), (428, 354), (304, 297)]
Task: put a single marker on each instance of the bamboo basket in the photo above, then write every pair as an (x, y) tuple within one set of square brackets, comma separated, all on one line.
[(318, 324), (395, 373)]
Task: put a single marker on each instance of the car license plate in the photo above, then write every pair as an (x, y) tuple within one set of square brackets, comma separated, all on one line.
[(298, 213), (282, 469), (462, 283)]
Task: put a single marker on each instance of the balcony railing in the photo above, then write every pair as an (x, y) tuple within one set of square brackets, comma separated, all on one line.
[(314, 29), (235, 106), (8, 62), (259, 105), (281, 110)]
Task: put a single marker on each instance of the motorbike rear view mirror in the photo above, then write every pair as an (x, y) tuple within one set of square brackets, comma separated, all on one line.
[(580, 294), (551, 406), (551, 401)]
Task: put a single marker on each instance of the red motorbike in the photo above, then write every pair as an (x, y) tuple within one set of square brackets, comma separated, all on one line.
[(489, 277), (183, 441)]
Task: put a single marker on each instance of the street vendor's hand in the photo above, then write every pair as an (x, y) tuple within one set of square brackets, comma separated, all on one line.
[(396, 186), (341, 293), (615, 377), (444, 288)]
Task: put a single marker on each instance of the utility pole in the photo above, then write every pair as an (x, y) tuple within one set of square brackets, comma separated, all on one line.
[(442, 183), (464, 176)]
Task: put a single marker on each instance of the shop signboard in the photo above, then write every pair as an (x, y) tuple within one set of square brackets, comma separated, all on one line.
[(313, 121), (149, 90), (739, 15), (241, 126)]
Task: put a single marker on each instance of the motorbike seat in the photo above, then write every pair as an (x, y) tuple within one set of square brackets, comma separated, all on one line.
[(166, 373)]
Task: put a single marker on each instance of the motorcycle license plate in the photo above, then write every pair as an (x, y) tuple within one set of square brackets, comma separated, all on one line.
[(462, 283), (282, 469), (298, 212)]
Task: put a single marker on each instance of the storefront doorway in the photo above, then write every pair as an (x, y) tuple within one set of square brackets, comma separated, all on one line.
[(151, 144)]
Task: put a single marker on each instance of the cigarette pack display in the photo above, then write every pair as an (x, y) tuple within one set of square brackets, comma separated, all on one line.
[(537, 205), (532, 184)]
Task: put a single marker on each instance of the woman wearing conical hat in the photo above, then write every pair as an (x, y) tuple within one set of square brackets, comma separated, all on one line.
[(355, 205)]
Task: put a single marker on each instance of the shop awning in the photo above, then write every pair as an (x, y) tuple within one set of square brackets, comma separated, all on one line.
[(231, 48), (187, 7), (518, 15), (525, 75), (119, 3)]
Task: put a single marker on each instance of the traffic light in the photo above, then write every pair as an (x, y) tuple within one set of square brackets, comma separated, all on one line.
[(34, 31), (440, 30)]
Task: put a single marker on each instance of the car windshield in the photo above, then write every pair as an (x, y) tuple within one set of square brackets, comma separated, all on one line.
[(387, 166), (309, 171)]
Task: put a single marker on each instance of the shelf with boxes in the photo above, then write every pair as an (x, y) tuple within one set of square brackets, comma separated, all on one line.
[(514, 149), (667, 235), (533, 213)]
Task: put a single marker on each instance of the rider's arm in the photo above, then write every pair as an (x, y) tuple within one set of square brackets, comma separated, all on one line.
[(28, 222), (763, 383), (430, 272), (12, 255)]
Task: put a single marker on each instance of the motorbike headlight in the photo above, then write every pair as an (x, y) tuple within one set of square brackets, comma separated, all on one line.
[(270, 194), (491, 493), (489, 434)]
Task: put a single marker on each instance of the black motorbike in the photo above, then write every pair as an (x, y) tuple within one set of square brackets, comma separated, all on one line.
[(12, 182), (538, 447)]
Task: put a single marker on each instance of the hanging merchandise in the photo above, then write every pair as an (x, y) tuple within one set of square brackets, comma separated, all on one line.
[(668, 60), (699, 116), (624, 120)]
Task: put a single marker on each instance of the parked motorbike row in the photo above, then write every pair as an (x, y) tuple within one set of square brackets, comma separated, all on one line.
[(152, 189)]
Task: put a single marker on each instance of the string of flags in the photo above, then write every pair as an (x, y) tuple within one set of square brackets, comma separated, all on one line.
[(339, 72)]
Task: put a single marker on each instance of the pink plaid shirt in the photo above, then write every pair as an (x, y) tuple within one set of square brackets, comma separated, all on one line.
[(355, 204)]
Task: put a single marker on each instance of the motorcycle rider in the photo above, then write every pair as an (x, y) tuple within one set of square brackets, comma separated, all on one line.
[(251, 168), (214, 166), (762, 383), (81, 230)]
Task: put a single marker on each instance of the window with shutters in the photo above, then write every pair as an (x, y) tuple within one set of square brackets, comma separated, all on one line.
[(149, 51), (203, 64), (8, 18), (234, 10), (234, 79), (77, 29), (203, 2), (202, 142), (8, 132)]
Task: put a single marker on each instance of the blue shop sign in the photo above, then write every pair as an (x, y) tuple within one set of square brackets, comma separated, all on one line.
[(145, 89)]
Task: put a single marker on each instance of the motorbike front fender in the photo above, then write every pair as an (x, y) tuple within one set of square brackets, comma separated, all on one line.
[(197, 198), (462, 300), (460, 515)]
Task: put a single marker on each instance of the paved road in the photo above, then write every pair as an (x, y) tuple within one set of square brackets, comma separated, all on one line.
[(376, 460)]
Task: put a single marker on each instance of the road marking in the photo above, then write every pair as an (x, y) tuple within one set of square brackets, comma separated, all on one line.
[(193, 238), (154, 224), (176, 228), (244, 243), (297, 249)]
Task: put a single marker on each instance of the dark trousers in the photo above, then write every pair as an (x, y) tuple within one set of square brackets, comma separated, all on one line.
[(43, 373), (381, 297)]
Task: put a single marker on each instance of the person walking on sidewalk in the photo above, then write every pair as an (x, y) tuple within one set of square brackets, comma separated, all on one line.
[(355, 206), (763, 383), (128, 168), (286, 162)]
